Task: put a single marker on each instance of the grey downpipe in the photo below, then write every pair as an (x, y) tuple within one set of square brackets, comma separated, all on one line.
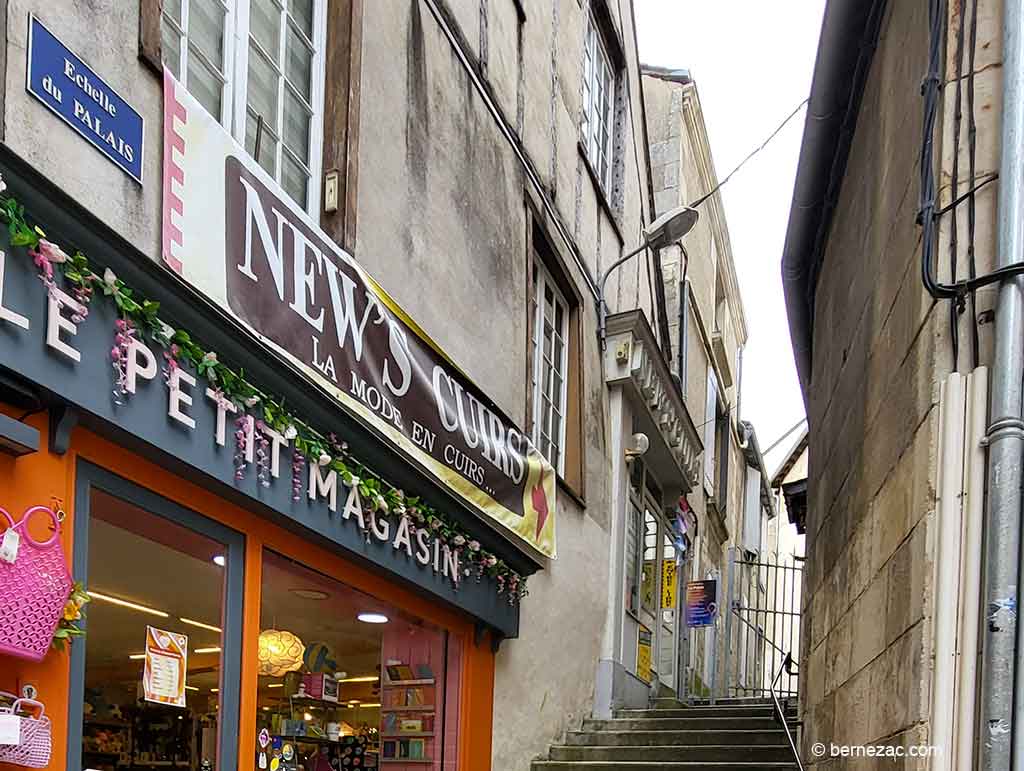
[(1000, 698)]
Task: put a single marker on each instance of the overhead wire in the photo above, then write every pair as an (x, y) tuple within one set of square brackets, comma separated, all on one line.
[(753, 152)]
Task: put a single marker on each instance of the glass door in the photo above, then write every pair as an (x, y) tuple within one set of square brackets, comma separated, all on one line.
[(668, 611), (163, 632)]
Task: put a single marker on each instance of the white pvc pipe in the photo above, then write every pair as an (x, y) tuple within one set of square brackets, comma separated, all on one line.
[(962, 754), (947, 561)]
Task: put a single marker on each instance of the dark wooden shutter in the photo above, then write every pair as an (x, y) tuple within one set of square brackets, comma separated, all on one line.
[(149, 34), (342, 66)]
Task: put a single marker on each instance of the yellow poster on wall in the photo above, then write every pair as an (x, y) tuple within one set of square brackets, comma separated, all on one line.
[(669, 583), (643, 654)]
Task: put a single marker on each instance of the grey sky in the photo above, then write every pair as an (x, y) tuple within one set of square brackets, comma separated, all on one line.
[(752, 62)]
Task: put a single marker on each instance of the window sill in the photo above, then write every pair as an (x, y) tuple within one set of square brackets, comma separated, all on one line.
[(599, 191), (568, 489)]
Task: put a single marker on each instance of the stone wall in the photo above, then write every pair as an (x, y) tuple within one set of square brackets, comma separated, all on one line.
[(880, 349)]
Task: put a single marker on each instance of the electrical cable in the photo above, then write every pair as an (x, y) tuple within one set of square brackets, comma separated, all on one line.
[(778, 441), (754, 152), (928, 215), (956, 308), (972, 147)]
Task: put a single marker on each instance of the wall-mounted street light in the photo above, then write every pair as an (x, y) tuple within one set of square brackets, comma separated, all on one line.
[(667, 229)]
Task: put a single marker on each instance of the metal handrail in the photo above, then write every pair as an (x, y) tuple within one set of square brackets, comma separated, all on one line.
[(787, 666)]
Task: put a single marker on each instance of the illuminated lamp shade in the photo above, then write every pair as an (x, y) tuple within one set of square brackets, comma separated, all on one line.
[(280, 652)]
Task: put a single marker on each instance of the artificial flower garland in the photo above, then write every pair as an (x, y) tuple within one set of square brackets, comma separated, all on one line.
[(139, 319), (67, 628)]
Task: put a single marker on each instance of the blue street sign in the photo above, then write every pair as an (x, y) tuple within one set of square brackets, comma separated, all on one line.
[(69, 87)]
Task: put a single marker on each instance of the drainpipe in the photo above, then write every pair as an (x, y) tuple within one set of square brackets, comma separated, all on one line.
[(684, 301), (1000, 698)]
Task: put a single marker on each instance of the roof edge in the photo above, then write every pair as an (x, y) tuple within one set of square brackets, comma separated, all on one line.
[(840, 73)]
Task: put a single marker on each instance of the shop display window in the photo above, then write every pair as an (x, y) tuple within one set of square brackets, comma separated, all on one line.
[(346, 681), (153, 650)]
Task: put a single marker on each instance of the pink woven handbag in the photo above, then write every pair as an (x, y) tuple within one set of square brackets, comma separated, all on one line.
[(36, 742), (33, 589)]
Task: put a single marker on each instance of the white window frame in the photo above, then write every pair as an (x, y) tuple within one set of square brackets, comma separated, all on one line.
[(710, 432), (544, 282), (235, 70), (186, 49), (599, 76)]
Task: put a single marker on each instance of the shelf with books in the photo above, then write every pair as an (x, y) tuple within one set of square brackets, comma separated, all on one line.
[(406, 760), (407, 683), (406, 734)]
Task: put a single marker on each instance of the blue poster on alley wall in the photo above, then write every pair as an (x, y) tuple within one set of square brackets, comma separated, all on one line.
[(70, 88), (701, 603)]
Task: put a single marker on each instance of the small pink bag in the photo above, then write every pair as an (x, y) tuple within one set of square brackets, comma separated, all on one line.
[(33, 750), (33, 589)]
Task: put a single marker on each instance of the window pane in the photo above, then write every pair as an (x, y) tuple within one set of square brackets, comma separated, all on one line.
[(263, 81), (294, 179), (205, 86), (173, 9), (299, 65), (632, 558), (171, 42), (337, 689), (170, 576), (268, 144), (206, 30), (302, 12), (296, 125), (649, 579), (265, 26)]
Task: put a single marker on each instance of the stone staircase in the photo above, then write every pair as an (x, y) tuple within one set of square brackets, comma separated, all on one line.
[(732, 735)]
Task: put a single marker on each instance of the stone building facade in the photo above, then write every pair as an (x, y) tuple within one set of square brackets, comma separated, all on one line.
[(481, 159), (875, 353), (708, 331)]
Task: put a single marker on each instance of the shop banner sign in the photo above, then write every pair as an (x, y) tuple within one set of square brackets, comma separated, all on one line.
[(701, 603), (83, 100), (163, 677), (669, 583), (643, 653), (232, 233)]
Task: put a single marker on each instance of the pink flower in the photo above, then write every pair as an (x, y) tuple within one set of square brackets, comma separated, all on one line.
[(43, 264), (460, 540), (474, 545), (52, 252), (491, 561)]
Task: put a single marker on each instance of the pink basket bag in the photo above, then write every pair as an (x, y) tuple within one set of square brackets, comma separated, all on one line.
[(35, 736), (33, 589)]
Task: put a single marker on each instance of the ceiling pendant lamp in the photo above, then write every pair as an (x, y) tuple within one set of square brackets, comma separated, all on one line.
[(280, 652)]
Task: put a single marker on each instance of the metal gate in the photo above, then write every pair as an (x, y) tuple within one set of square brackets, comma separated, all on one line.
[(762, 625)]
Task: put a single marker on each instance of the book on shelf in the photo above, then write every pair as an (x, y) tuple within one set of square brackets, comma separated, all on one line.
[(404, 672), (417, 749), (411, 725)]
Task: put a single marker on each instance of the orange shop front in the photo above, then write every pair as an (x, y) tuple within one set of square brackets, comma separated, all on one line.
[(250, 606)]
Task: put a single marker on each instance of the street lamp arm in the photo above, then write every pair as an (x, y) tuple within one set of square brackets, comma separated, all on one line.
[(616, 264), (602, 307)]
